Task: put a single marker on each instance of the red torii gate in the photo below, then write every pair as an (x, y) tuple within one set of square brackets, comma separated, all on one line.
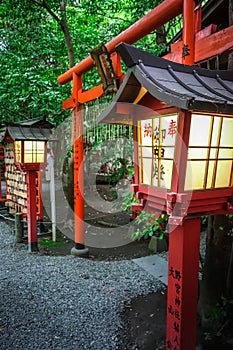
[(201, 45)]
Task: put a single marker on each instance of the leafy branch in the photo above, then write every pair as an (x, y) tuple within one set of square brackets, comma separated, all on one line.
[(63, 25), (150, 224)]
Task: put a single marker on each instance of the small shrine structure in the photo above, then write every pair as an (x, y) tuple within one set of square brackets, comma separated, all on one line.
[(24, 155)]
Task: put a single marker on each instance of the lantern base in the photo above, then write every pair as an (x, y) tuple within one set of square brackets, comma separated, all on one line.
[(79, 250), (33, 247)]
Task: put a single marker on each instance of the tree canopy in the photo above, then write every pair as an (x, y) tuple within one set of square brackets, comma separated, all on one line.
[(41, 39)]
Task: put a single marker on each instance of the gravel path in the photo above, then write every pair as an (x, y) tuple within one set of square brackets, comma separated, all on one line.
[(64, 302)]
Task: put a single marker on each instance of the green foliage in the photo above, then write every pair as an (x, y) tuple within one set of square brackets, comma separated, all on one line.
[(150, 225), (50, 243), (128, 199), (204, 220), (34, 53), (125, 202), (229, 225), (120, 168), (215, 314), (220, 316), (230, 219), (30, 62)]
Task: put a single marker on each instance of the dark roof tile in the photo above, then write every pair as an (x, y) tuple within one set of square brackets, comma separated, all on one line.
[(205, 87)]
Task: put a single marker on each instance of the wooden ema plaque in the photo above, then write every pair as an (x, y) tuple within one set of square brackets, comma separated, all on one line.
[(16, 186)]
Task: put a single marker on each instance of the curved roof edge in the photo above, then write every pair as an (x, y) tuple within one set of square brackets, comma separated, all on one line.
[(177, 85)]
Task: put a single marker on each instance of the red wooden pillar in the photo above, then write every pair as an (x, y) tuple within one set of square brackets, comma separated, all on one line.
[(183, 267), (188, 32), (197, 18), (79, 248), (31, 211), (78, 181)]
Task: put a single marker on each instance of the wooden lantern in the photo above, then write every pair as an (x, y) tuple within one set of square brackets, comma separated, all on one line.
[(183, 153), (29, 139)]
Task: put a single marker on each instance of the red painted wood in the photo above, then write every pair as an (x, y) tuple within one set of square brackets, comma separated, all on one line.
[(78, 166), (184, 233), (183, 266), (116, 63), (188, 32), (152, 191), (214, 44), (69, 103), (197, 202), (198, 18), (208, 202), (31, 206), (176, 52), (175, 56), (91, 94), (1, 185), (205, 46), (207, 31), (216, 193)]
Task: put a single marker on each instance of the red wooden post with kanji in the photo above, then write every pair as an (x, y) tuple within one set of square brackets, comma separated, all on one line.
[(183, 266), (79, 248), (31, 211)]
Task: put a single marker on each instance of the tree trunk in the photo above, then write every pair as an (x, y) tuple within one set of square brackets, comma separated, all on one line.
[(217, 263), (63, 25), (161, 38), (67, 36)]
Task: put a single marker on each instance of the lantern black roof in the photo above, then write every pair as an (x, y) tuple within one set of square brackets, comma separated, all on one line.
[(178, 85), (33, 129)]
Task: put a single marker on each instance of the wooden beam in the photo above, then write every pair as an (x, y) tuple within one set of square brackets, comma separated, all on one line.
[(90, 95), (176, 52), (69, 103), (214, 44), (207, 31), (206, 45)]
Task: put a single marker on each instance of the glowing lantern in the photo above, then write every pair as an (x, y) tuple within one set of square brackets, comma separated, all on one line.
[(30, 153), (183, 127)]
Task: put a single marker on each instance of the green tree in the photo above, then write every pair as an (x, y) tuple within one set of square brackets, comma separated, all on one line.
[(32, 56)]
